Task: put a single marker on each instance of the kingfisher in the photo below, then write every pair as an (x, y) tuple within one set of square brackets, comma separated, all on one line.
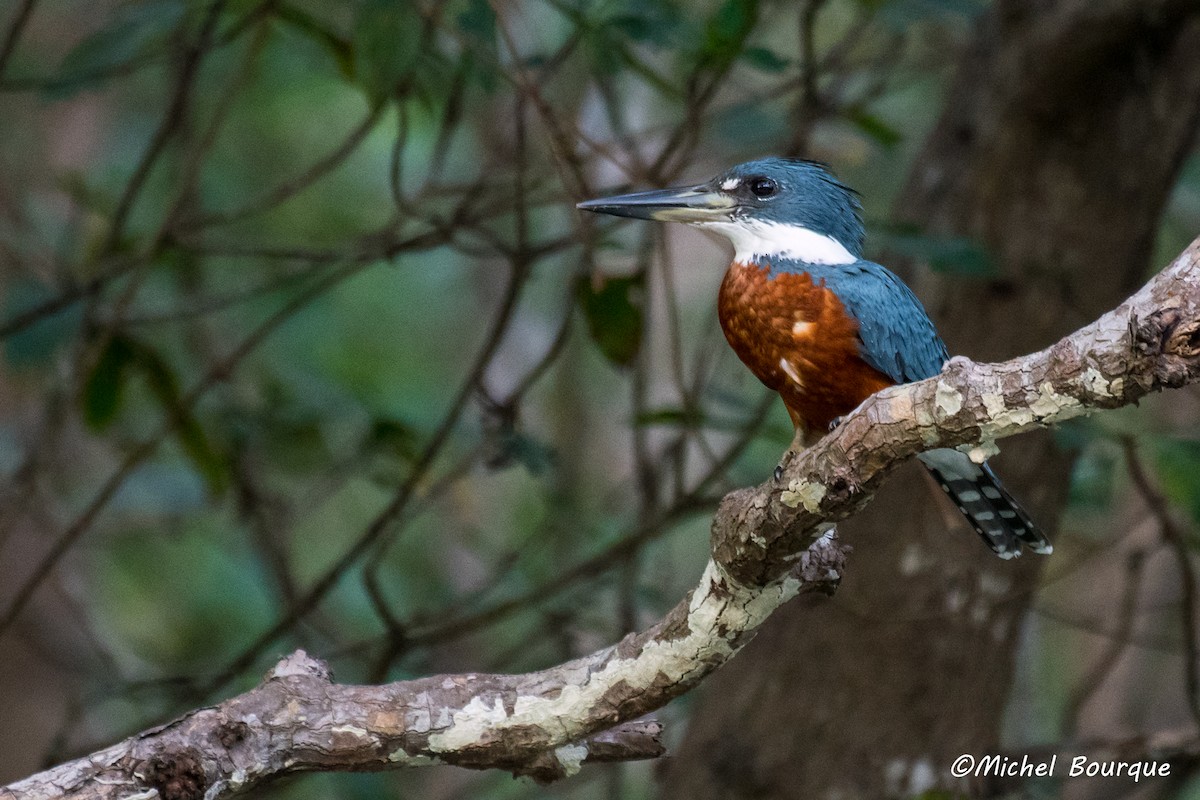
[(818, 323)]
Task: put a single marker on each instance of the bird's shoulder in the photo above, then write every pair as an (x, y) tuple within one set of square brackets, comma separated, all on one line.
[(895, 333)]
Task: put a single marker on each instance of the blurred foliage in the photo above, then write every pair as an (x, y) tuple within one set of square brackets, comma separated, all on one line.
[(614, 316), (297, 263)]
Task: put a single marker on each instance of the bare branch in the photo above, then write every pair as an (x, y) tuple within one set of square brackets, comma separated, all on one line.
[(176, 112), (769, 543)]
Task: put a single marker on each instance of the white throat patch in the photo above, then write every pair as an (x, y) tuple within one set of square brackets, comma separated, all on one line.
[(754, 239)]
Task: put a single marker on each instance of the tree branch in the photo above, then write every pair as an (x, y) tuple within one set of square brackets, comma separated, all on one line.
[(769, 544)]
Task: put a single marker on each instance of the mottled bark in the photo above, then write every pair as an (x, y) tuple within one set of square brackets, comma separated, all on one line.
[(768, 546), (1060, 140)]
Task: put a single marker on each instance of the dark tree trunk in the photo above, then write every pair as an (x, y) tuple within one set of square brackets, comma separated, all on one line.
[(1060, 140)]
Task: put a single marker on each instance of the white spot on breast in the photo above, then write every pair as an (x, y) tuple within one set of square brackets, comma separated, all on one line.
[(802, 328), (790, 370)]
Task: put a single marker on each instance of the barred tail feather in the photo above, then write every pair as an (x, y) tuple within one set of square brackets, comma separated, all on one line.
[(987, 505)]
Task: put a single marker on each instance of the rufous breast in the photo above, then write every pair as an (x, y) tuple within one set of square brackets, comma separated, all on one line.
[(797, 338)]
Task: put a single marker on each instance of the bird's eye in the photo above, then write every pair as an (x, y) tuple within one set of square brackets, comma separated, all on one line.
[(763, 187)]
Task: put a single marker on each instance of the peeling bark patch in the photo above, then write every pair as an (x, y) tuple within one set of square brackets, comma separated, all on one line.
[(402, 756), (806, 493), (571, 757), (629, 646), (345, 737), (1096, 383), (993, 403), (176, 777), (947, 399), (1046, 402), (675, 627), (720, 612), (388, 722), (469, 723), (617, 696)]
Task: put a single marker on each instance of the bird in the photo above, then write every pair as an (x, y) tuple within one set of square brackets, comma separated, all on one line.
[(818, 323)]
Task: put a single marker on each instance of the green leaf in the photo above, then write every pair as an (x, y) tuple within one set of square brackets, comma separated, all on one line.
[(136, 31), (726, 31), (1093, 478), (613, 310), (387, 43), (478, 21), (1178, 465), (534, 455), (693, 418), (874, 127), (638, 28), (332, 42), (764, 59), (393, 437), (654, 23), (674, 417), (164, 386), (105, 387)]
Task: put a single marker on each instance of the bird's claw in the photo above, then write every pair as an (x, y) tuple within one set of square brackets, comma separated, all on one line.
[(787, 457), (833, 423)]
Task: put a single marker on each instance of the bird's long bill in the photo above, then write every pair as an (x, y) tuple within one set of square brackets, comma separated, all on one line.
[(687, 204)]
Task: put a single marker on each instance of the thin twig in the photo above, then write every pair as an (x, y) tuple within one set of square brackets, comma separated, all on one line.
[(147, 447), (1087, 686), (809, 102), (20, 20), (172, 119), (381, 525), (66, 298), (450, 626), (290, 188), (1176, 539), (194, 162), (396, 166)]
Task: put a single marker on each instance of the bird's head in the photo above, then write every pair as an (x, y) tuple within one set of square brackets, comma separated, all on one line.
[(769, 208)]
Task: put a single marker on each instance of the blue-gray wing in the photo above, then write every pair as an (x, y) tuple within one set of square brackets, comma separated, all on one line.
[(896, 335)]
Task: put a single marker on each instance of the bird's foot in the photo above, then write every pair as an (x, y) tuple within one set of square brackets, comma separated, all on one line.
[(779, 468), (833, 423)]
